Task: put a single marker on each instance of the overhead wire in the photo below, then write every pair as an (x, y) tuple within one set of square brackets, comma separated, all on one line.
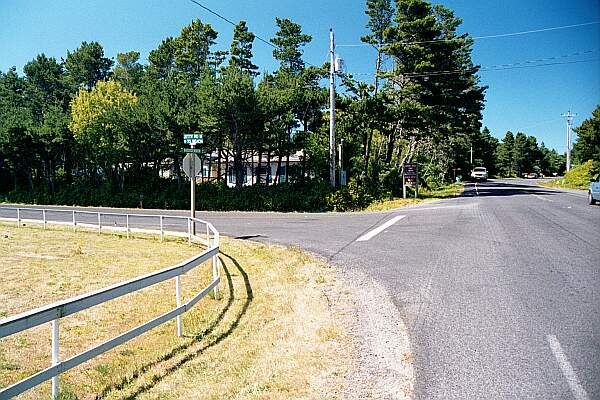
[(500, 35), (499, 67), (234, 24), (516, 65)]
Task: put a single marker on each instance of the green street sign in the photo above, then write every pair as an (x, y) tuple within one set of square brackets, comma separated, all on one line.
[(196, 151), (193, 138)]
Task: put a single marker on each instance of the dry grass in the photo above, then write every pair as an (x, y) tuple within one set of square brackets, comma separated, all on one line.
[(448, 191), (272, 335)]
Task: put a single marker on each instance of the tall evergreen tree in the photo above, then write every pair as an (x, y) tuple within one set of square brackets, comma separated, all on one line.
[(193, 49), (87, 65), (587, 146), (505, 161), (290, 41), (241, 49)]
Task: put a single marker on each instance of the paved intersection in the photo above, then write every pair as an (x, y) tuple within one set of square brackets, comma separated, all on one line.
[(499, 288)]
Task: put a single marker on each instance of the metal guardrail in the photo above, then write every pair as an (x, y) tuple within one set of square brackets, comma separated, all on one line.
[(53, 312)]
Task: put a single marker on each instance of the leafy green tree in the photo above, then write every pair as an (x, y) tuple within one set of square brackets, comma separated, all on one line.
[(101, 126), (87, 65), (587, 146)]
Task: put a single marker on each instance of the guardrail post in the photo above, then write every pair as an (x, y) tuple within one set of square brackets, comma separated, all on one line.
[(44, 217), (74, 223), (19, 217), (127, 225), (161, 229), (215, 265), (178, 298), (99, 224), (189, 231), (207, 236), (55, 357)]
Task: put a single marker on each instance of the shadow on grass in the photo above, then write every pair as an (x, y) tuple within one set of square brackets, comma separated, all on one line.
[(195, 339)]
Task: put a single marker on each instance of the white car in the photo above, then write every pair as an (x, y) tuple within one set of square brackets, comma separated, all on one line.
[(479, 173)]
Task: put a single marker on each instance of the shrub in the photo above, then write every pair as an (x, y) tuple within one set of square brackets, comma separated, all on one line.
[(578, 177)]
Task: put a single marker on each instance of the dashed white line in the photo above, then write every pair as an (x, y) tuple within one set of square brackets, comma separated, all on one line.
[(380, 228), (578, 391)]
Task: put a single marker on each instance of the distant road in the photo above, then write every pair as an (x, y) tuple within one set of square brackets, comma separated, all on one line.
[(500, 288)]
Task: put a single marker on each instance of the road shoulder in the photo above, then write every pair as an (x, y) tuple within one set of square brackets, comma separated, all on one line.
[(383, 367)]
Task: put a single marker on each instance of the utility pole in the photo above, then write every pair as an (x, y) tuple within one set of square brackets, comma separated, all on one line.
[(331, 109), (471, 155), (569, 115)]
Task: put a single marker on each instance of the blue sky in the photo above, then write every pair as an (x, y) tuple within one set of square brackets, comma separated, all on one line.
[(518, 99)]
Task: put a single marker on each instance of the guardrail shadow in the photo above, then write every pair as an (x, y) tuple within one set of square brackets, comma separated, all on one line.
[(195, 339)]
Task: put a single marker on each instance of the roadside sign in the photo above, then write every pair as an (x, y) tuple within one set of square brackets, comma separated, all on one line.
[(410, 180), (410, 177), (410, 169), (191, 165), (193, 138), (195, 151)]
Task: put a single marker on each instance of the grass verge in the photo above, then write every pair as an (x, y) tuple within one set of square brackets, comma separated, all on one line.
[(271, 335), (445, 192)]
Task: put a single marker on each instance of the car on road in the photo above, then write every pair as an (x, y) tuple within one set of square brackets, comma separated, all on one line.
[(479, 173), (594, 190), (530, 175)]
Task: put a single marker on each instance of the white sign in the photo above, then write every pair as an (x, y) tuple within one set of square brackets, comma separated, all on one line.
[(191, 165)]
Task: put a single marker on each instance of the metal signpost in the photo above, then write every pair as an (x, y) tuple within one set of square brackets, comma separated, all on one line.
[(410, 177), (191, 167)]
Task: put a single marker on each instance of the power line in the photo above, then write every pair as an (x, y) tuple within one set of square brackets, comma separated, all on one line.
[(554, 28), (515, 65), (233, 23)]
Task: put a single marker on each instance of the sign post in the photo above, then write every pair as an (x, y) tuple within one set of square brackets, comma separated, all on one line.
[(191, 167), (410, 177)]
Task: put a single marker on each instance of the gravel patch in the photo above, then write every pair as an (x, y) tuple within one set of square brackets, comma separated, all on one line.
[(382, 367)]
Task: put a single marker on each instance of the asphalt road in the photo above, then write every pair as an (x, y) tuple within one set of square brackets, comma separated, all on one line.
[(499, 288)]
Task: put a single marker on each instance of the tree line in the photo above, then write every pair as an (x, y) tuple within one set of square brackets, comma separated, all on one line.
[(87, 120), (518, 154)]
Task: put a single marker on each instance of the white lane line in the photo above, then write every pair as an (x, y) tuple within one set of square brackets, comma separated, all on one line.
[(581, 196), (543, 198), (380, 228), (578, 391)]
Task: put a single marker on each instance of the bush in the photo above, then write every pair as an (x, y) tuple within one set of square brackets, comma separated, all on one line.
[(578, 177)]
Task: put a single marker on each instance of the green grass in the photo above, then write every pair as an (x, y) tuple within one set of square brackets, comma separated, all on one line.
[(577, 178), (445, 192), (271, 335)]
